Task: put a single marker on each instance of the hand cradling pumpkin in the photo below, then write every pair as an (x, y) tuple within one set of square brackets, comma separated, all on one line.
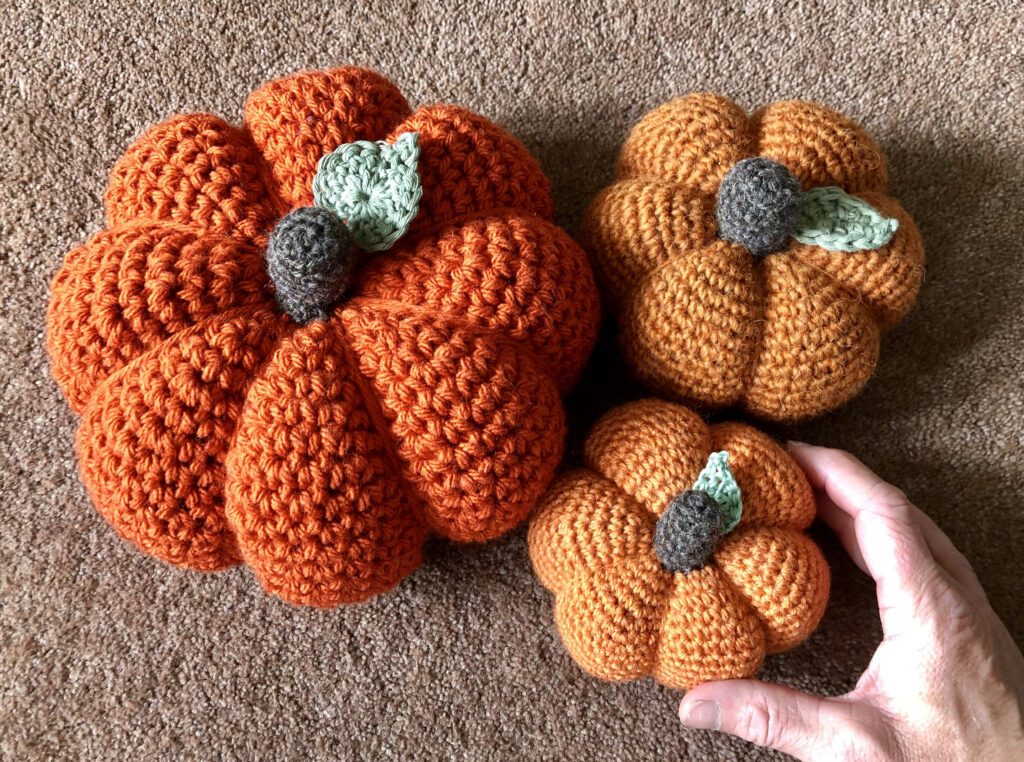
[(678, 550), (753, 260), (307, 342)]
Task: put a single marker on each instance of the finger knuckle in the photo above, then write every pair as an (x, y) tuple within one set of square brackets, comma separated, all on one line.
[(890, 501), (762, 724)]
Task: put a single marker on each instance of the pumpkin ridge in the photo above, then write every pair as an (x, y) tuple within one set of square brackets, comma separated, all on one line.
[(633, 333), (295, 119), (111, 503), (755, 356), (645, 279), (412, 238), (130, 286), (589, 231), (500, 338), (379, 421)]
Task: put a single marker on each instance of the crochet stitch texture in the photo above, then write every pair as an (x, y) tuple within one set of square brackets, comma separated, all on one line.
[(215, 429), (785, 335), (622, 615)]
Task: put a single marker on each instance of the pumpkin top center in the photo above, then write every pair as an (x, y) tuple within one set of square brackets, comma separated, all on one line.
[(310, 260), (761, 206), (689, 531), (758, 202), (365, 194)]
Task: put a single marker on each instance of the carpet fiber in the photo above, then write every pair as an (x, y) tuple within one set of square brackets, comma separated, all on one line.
[(108, 654)]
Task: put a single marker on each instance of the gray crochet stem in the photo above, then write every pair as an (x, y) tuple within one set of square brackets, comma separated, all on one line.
[(757, 205), (688, 532), (310, 261)]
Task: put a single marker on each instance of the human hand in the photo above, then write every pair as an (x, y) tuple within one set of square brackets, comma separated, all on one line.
[(947, 681)]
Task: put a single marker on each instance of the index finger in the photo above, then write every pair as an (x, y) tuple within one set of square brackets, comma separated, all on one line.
[(886, 528)]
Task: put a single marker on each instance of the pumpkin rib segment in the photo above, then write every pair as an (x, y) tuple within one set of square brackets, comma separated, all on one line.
[(479, 425), (611, 623), (692, 140), (886, 280), (456, 320), (297, 119), (819, 145), (819, 344), (196, 170), (636, 225), (469, 164), (519, 277), (586, 522), (757, 347), (129, 288), (651, 450), (784, 578), (691, 327), (775, 491), (312, 497), (378, 419), (708, 632), (153, 438)]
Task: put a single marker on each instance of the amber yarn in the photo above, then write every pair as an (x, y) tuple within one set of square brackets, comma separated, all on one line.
[(216, 430), (785, 336), (621, 615)]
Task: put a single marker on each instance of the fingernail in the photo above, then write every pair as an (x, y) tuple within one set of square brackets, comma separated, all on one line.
[(703, 715), (794, 443)]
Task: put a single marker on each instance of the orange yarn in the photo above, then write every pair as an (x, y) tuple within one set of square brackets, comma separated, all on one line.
[(620, 614), (216, 430), (787, 337)]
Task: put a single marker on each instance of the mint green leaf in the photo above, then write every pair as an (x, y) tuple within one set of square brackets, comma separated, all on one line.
[(717, 480), (374, 187), (834, 220)]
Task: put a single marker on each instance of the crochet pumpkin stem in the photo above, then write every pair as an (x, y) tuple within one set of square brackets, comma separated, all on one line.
[(310, 260), (688, 532)]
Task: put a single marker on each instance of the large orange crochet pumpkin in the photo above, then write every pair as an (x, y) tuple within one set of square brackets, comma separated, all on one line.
[(719, 304), (413, 389), (649, 576)]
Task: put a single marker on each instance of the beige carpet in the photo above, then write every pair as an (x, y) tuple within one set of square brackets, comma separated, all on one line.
[(107, 654)]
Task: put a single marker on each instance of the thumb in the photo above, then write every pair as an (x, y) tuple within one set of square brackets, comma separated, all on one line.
[(766, 714)]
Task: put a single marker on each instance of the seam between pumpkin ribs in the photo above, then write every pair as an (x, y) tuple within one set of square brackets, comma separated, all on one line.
[(380, 423), (748, 374), (520, 346), (410, 240), (374, 407)]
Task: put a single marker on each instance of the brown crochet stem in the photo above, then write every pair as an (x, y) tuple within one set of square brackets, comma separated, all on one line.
[(688, 532)]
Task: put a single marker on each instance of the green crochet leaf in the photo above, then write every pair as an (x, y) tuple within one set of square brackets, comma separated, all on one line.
[(834, 220), (374, 187), (717, 480)]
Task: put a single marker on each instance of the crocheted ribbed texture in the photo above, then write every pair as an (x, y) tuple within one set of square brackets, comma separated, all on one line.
[(785, 336), (622, 615), (215, 428)]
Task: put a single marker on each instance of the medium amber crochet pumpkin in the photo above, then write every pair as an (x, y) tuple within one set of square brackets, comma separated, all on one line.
[(718, 303), (644, 584), (320, 450)]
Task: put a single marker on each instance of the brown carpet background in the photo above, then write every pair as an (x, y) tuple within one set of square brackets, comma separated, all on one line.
[(107, 654)]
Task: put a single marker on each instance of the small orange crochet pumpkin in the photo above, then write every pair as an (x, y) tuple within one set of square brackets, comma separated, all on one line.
[(397, 371), (753, 260), (678, 551)]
